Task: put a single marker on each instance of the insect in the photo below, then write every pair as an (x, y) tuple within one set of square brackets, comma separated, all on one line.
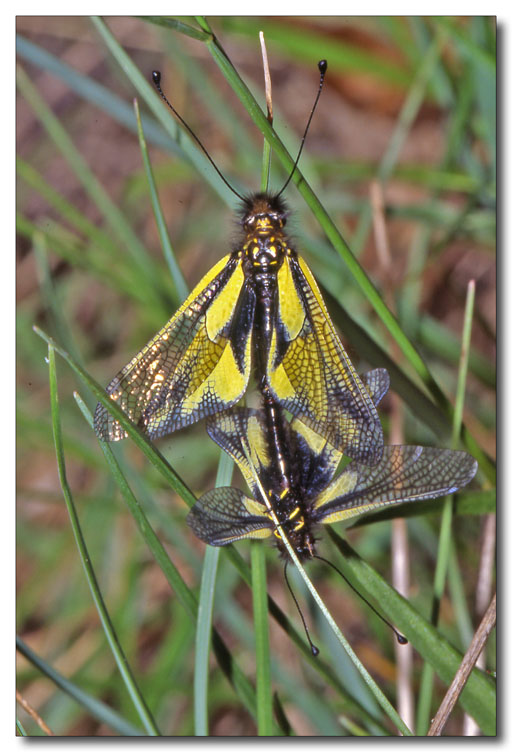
[(257, 310), (290, 470)]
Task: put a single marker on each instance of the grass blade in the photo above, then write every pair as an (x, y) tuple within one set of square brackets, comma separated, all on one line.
[(96, 708), (108, 627), (445, 533), (143, 443), (479, 695), (114, 217), (205, 616), (261, 636), (180, 285)]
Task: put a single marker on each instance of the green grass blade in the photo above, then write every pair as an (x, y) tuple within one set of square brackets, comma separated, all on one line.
[(179, 26), (445, 534), (262, 644), (117, 221), (479, 695), (98, 709), (374, 688), (186, 596), (108, 627), (98, 95), (20, 728), (203, 638), (334, 236), (180, 285), (147, 92), (157, 549), (205, 616), (141, 441), (405, 119)]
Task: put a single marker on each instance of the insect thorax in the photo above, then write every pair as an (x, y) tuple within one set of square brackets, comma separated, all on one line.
[(265, 243)]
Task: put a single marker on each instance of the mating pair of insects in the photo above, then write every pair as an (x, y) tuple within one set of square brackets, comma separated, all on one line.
[(259, 311)]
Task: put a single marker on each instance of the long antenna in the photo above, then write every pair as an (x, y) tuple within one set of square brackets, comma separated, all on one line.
[(322, 67), (400, 638), (156, 80), (314, 650)]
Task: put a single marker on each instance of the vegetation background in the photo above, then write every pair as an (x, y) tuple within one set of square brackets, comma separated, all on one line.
[(408, 105)]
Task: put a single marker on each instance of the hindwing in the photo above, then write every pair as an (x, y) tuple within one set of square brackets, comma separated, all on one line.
[(224, 515), (198, 364), (241, 433), (405, 473)]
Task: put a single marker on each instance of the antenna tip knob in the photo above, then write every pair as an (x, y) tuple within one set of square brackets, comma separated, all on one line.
[(315, 651), (402, 640), (322, 66), (156, 75)]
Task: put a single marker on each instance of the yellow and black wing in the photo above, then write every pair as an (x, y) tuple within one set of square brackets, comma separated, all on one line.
[(404, 473), (198, 364), (310, 373), (241, 433), (224, 515), (319, 454)]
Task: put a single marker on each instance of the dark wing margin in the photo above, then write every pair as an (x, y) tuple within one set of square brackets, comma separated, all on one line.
[(224, 515), (405, 473), (312, 376), (194, 367)]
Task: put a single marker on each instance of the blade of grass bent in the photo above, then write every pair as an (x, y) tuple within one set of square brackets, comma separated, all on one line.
[(157, 549), (117, 651), (187, 598), (141, 441)]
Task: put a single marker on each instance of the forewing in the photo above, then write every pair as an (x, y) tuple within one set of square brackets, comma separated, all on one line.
[(405, 473), (310, 373), (198, 364), (224, 515)]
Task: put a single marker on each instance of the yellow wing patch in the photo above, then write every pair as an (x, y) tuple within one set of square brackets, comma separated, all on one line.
[(291, 311), (310, 373), (222, 307), (188, 370)]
